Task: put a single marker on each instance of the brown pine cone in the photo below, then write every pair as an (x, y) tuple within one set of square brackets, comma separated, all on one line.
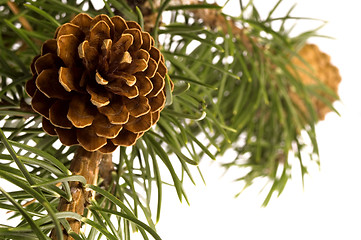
[(99, 83), (323, 70)]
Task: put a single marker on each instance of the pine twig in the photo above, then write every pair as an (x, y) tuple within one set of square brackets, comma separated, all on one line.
[(86, 164), (14, 8), (106, 168)]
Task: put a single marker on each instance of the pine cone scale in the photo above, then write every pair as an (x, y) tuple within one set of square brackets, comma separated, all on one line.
[(58, 115), (98, 34), (89, 140), (158, 85), (116, 112), (138, 106), (119, 26), (89, 55), (30, 86), (67, 136), (48, 127), (137, 36), (155, 54), (47, 82), (321, 71), (142, 54), (157, 103), (69, 78), (119, 87), (152, 68), (108, 148), (144, 84), (122, 45), (67, 49), (125, 138), (129, 79), (49, 60), (99, 97), (83, 21), (139, 124), (104, 128), (71, 29), (41, 103), (81, 113), (155, 117), (49, 46), (148, 41)]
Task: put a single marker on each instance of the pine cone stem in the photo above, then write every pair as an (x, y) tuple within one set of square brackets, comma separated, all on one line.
[(106, 168), (84, 163)]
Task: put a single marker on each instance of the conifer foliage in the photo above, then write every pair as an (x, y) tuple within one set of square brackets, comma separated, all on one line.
[(161, 85)]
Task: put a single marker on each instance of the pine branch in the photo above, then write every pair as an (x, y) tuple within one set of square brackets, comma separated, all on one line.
[(13, 7), (85, 164), (237, 86)]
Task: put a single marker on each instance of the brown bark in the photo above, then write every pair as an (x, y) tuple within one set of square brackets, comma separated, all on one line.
[(106, 167), (86, 164)]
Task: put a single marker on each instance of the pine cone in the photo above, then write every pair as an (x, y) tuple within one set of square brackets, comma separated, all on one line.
[(323, 70), (99, 83)]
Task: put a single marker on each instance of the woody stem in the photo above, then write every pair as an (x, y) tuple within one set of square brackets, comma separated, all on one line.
[(85, 164), (14, 8)]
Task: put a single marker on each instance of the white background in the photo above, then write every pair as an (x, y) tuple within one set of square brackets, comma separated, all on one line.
[(329, 206)]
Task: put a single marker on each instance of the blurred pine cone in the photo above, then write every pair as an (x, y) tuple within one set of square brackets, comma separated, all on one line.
[(99, 83), (322, 70)]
